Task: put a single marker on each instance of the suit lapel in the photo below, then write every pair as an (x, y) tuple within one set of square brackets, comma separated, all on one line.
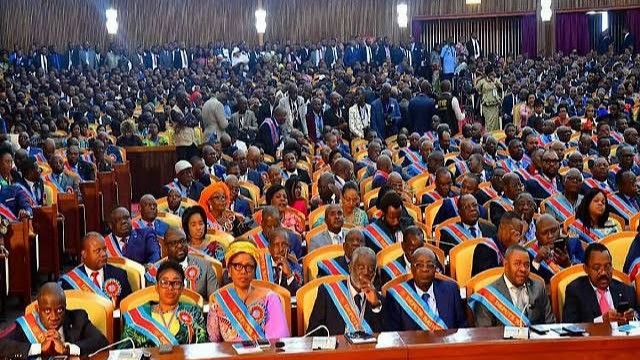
[(441, 299), (595, 307), (501, 286), (616, 293)]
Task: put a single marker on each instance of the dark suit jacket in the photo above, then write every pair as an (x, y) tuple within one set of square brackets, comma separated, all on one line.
[(446, 240), (39, 195), (485, 258), (539, 311), (264, 138), (507, 105), (242, 206), (77, 328), (313, 132), (325, 313), (628, 42), (451, 309), (421, 110), (15, 199), (110, 272), (177, 59), (142, 246), (255, 178), (448, 211), (581, 302), (303, 176), (265, 112)]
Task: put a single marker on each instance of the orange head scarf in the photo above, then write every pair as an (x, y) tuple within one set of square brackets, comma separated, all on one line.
[(209, 191)]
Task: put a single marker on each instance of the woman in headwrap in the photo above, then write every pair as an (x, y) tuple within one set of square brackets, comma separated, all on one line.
[(215, 199), (241, 311)]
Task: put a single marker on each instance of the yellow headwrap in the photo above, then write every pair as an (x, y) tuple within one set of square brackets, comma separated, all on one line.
[(241, 246)]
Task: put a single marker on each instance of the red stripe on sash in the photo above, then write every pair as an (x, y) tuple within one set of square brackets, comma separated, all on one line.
[(239, 314)]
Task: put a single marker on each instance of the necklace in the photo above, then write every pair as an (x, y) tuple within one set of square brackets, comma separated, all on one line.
[(164, 322)]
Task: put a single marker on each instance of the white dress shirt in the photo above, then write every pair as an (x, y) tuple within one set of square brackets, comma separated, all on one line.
[(513, 292), (36, 349), (336, 239), (100, 276)]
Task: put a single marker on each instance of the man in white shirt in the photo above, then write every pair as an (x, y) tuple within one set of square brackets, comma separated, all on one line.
[(334, 235)]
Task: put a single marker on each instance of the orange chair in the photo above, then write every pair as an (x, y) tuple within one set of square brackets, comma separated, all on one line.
[(414, 211), (461, 260), (145, 295), (316, 214), (418, 182), (425, 190), (310, 262), (306, 298), (618, 245), (430, 213), (438, 231), (561, 280)]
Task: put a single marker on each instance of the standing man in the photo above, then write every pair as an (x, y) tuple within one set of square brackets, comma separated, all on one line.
[(449, 59), (473, 47), (385, 113), (449, 108), (421, 109)]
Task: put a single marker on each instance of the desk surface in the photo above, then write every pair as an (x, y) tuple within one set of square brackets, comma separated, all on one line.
[(477, 343)]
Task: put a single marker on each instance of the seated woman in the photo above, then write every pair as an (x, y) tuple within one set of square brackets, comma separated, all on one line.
[(128, 138), (154, 138), (592, 218), (167, 321), (241, 311), (294, 194), (350, 202), (215, 199), (277, 196), (195, 226)]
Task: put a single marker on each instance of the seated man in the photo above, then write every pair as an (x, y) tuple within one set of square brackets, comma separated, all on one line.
[(412, 239), (149, 216), (599, 179), (384, 167), (597, 296), (25, 143), (174, 203), (278, 266), (239, 203), (495, 190), (336, 298), (512, 188), (62, 182), (83, 169), (549, 254), (99, 158), (290, 167), (469, 226), (387, 230), (513, 296), (51, 330), (327, 192), (94, 274), (443, 182), (563, 205), (424, 302), (199, 274), (270, 221), (213, 165), (417, 165), (526, 207), (340, 265), (626, 201), (31, 182), (450, 209), (548, 183), (491, 254), (334, 218), (139, 245), (184, 182)]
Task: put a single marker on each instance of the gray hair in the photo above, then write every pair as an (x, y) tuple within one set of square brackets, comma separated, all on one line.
[(363, 251)]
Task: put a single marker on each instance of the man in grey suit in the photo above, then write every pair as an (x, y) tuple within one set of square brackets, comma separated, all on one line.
[(334, 218), (62, 181), (213, 119), (526, 298), (175, 242)]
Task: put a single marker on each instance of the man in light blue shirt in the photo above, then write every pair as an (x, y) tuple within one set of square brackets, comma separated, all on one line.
[(449, 59)]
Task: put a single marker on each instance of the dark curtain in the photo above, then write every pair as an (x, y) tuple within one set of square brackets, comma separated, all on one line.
[(616, 23), (570, 33), (633, 22), (595, 30), (529, 34), (416, 30)]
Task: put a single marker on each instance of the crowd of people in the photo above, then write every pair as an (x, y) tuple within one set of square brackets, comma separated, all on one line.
[(285, 149)]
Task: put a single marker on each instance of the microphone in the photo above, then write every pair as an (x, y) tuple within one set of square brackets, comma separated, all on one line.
[(133, 345), (528, 306), (321, 327)]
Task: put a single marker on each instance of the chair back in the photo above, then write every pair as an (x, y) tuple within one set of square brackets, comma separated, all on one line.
[(320, 228), (422, 191), (98, 308), (255, 230), (369, 196), (461, 260), (148, 294), (316, 214), (163, 205), (388, 254), (418, 182), (407, 277), (438, 230), (135, 272), (414, 211), (634, 222), (430, 213), (487, 277), (310, 262), (253, 190), (618, 245), (306, 298), (560, 281), (365, 185), (220, 236), (215, 264)]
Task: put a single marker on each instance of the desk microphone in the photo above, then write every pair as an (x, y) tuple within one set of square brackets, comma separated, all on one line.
[(321, 327), (528, 306), (133, 345)]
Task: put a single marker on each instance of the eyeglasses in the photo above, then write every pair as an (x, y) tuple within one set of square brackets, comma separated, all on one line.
[(598, 268), (421, 266), (219, 197), (247, 268), (176, 243), (176, 285)]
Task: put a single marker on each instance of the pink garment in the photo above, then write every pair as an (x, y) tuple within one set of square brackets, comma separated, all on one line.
[(272, 319), (301, 206)]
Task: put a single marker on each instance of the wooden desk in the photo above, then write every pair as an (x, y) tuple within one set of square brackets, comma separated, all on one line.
[(151, 168), (478, 343)]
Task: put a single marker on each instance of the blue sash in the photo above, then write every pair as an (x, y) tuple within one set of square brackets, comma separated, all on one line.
[(144, 323), (587, 235), (342, 300), (238, 314), (377, 236), (501, 307), (331, 267), (395, 269), (413, 305), (32, 327), (79, 280)]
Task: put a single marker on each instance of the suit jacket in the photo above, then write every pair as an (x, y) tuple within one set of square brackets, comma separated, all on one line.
[(142, 246), (264, 139), (303, 176), (507, 105), (540, 193), (342, 262), (446, 240), (485, 258), (110, 272), (449, 209), (265, 111), (15, 199), (86, 171), (421, 110), (378, 117), (207, 282), (581, 301), (255, 178), (67, 182), (177, 59), (325, 313), (241, 206), (471, 50), (320, 240), (629, 41), (315, 134), (38, 197), (451, 309), (166, 59), (77, 329), (539, 311)]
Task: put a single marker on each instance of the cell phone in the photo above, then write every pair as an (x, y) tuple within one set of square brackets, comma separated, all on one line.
[(560, 331), (248, 343), (574, 329), (539, 329), (264, 343), (560, 244), (622, 307)]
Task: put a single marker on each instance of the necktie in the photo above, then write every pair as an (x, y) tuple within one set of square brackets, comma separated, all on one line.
[(150, 225), (125, 241), (425, 297), (277, 271), (474, 233), (520, 303), (358, 301), (604, 305), (94, 277)]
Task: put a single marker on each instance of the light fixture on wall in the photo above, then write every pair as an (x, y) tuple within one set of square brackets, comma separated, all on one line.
[(261, 21), (403, 18), (473, 2), (545, 11), (112, 21)]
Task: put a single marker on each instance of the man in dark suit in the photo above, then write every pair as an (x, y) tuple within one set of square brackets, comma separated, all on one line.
[(469, 226), (41, 60), (421, 109), (286, 270), (166, 57), (512, 187), (547, 257), (356, 292), (387, 229), (473, 47), (597, 297), (62, 181), (31, 181), (57, 331), (269, 134), (439, 300), (508, 103), (490, 255), (522, 296), (267, 105), (547, 183), (315, 121), (340, 265), (139, 245), (628, 41), (181, 57), (106, 280), (290, 167), (184, 182), (385, 113), (239, 203), (85, 170)]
